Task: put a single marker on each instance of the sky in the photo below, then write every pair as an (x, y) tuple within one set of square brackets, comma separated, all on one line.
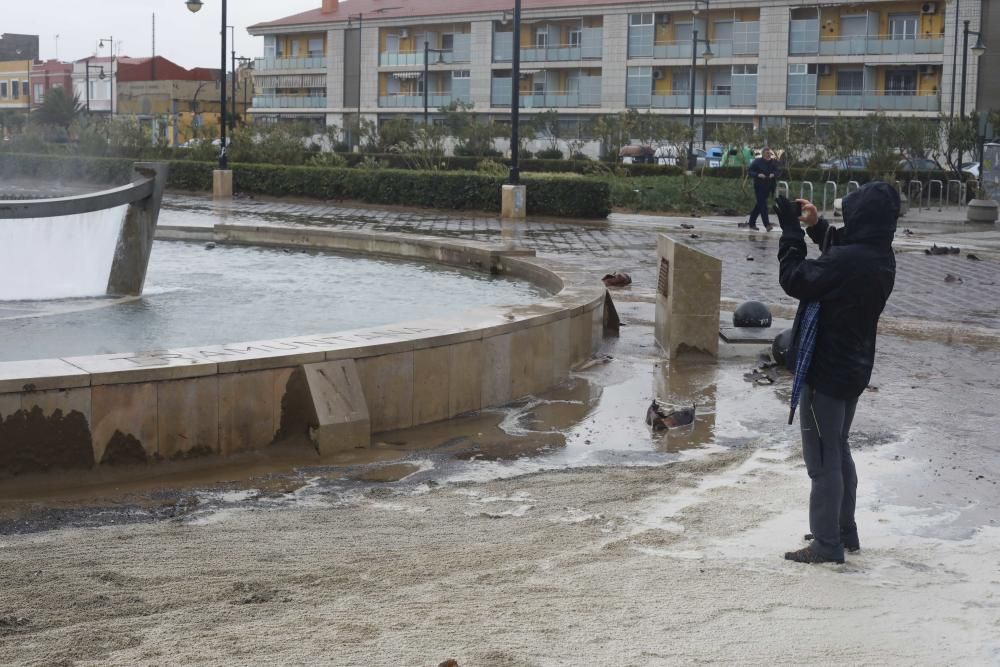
[(191, 40)]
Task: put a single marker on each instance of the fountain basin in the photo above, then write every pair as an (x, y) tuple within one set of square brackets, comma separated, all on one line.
[(222, 399)]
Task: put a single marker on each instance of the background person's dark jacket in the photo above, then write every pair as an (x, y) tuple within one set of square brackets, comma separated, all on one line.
[(767, 168), (852, 280)]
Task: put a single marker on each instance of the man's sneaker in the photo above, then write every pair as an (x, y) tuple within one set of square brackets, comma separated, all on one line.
[(808, 556), (768, 227), (850, 541)]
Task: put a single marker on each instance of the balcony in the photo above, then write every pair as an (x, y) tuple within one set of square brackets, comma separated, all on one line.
[(279, 64), (408, 101), (288, 102), (879, 45), (589, 47), (461, 52), (586, 96), (879, 101), (744, 41)]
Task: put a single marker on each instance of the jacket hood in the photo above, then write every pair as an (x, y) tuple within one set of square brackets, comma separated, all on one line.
[(870, 213)]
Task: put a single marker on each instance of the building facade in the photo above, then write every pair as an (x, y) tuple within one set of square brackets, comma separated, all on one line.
[(15, 85), (771, 63), (94, 83), (18, 47), (49, 75)]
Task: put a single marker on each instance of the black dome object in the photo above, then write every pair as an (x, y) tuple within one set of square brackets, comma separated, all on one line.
[(779, 348), (752, 314)]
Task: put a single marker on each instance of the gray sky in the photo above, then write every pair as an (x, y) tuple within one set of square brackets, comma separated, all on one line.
[(187, 39)]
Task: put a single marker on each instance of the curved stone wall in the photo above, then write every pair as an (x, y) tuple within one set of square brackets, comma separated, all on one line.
[(339, 388)]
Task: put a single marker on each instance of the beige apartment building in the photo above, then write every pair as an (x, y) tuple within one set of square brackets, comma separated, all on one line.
[(772, 61)]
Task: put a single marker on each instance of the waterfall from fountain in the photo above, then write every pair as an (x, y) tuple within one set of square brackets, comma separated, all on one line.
[(60, 257)]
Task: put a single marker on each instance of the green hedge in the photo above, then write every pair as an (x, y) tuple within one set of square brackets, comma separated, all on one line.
[(548, 195), (819, 176)]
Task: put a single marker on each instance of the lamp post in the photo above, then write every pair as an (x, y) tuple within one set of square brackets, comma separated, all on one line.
[(361, 17), (246, 64), (692, 160), (427, 78), (114, 70), (232, 116), (86, 79), (706, 55), (195, 6), (978, 49), (515, 99)]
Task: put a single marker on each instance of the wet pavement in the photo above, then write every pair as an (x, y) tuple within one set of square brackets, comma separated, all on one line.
[(627, 242)]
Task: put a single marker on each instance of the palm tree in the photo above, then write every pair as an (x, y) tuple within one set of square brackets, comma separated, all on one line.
[(59, 109)]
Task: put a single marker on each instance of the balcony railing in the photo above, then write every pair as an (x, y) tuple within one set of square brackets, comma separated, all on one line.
[(288, 102), (267, 64), (879, 101), (880, 45), (682, 101), (745, 41), (555, 99), (590, 47), (461, 52), (407, 101)]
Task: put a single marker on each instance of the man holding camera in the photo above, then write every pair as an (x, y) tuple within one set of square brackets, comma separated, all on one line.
[(764, 171), (841, 296)]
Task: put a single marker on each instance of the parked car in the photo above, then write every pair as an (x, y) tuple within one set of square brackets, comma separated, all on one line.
[(633, 154), (971, 169), (714, 157), (666, 155), (919, 164), (851, 163)]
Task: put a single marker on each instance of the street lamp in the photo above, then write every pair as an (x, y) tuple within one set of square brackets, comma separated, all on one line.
[(515, 98), (246, 64), (707, 55), (114, 70), (692, 160), (87, 79), (978, 49), (361, 17), (427, 78), (195, 6)]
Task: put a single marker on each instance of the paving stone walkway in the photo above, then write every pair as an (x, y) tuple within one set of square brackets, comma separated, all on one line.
[(627, 242)]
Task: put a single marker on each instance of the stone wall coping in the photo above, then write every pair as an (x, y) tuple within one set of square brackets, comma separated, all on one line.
[(574, 293)]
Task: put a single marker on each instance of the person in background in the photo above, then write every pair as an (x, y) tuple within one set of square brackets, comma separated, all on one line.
[(764, 172), (841, 296)]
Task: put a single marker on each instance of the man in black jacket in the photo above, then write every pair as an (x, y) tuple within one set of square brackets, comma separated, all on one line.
[(851, 280), (764, 171)]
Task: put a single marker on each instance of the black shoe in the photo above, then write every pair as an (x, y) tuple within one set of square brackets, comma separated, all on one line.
[(808, 556), (752, 226), (850, 541), (768, 227)]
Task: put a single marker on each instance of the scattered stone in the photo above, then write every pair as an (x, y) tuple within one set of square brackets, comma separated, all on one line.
[(617, 279), (658, 417), (13, 622), (750, 258), (974, 258), (450, 662), (210, 246), (953, 279), (941, 250), (761, 377), (907, 232), (685, 225), (872, 388), (696, 236)]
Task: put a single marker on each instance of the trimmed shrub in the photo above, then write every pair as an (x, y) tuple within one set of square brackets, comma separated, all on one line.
[(550, 154)]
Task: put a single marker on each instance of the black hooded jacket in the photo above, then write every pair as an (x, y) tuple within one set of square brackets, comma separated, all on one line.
[(769, 169), (852, 279)]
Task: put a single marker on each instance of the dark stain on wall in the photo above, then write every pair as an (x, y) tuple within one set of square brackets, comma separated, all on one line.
[(124, 449), (33, 442)]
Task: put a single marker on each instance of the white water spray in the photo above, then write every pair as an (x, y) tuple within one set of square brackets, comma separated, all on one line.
[(58, 258)]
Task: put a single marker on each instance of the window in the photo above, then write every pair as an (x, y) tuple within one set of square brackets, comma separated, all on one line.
[(538, 88), (723, 31), (855, 25), (850, 82), (270, 46), (683, 32), (575, 39), (640, 19), (39, 92), (901, 82), (542, 39), (3, 89), (316, 47), (15, 89), (461, 74), (25, 87), (293, 48), (448, 42), (682, 83), (750, 69), (902, 26)]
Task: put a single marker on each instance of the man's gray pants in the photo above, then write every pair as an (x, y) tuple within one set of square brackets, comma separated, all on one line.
[(826, 425)]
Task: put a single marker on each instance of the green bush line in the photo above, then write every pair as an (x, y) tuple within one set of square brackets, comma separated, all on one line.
[(548, 195)]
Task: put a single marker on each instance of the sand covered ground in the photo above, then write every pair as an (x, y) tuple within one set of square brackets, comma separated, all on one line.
[(593, 543)]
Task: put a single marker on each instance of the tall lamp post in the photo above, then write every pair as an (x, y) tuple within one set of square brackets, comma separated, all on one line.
[(114, 70), (978, 49), (707, 55), (195, 6), (427, 74), (232, 115), (692, 160), (86, 79), (361, 17), (246, 64), (515, 99)]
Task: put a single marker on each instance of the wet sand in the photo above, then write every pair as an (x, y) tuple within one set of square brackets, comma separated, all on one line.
[(558, 532)]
